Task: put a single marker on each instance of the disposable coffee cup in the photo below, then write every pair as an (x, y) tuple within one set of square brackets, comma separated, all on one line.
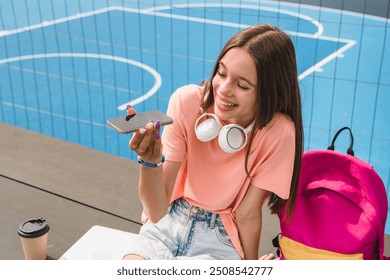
[(34, 234)]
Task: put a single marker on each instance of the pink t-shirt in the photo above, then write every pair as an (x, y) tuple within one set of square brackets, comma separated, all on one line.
[(215, 180)]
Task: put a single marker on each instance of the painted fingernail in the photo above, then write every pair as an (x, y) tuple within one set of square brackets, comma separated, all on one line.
[(157, 125), (149, 125), (128, 117), (142, 131), (130, 112), (158, 135)]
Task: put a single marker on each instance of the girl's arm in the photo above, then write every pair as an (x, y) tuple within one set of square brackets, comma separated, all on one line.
[(155, 183), (249, 221)]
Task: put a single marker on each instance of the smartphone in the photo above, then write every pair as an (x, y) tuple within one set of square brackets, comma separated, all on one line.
[(125, 125)]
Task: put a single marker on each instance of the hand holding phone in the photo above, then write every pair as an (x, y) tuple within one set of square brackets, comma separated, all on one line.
[(134, 122)]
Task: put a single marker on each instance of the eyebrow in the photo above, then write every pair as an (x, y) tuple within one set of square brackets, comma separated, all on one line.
[(240, 77)]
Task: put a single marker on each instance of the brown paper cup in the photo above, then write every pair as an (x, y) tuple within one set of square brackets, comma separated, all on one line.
[(34, 234)]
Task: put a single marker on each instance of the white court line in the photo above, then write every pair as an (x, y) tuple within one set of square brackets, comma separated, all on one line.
[(318, 35), (326, 9), (122, 107), (44, 112), (318, 66), (152, 11), (72, 79), (56, 21)]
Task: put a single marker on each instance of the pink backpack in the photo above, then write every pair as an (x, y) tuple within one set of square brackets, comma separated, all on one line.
[(341, 209)]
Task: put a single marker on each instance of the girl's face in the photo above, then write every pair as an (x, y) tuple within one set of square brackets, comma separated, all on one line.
[(235, 87)]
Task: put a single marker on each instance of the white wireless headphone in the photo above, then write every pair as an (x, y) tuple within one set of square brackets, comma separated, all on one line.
[(231, 138)]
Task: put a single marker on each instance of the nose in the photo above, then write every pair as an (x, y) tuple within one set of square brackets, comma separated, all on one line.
[(225, 87)]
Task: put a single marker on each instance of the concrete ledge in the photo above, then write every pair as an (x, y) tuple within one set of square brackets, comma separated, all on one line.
[(68, 220), (73, 171), (71, 186)]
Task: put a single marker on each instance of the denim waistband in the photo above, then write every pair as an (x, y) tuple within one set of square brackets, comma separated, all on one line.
[(193, 212)]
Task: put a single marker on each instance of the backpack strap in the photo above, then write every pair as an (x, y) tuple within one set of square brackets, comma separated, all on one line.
[(350, 148), (275, 243)]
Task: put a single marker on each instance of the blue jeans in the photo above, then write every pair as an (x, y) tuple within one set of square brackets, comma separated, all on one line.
[(185, 232)]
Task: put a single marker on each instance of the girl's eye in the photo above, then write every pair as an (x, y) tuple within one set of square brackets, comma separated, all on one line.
[(221, 74), (243, 87)]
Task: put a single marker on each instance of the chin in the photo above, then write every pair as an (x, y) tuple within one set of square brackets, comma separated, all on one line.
[(222, 115)]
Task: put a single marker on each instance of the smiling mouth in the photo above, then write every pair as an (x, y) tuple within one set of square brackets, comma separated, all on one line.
[(225, 104)]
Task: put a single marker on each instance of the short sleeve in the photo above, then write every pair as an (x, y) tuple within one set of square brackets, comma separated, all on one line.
[(274, 170), (174, 137)]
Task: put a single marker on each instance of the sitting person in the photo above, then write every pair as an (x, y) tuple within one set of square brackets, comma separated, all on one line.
[(235, 142)]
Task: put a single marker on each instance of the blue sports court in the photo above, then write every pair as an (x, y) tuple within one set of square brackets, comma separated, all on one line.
[(68, 66)]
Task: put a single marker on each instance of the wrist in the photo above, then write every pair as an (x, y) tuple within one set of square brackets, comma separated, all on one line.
[(151, 164)]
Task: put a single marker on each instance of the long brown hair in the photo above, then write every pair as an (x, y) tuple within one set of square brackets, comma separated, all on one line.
[(278, 91)]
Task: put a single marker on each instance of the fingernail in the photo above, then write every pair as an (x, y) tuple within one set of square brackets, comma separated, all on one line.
[(158, 135), (149, 125), (128, 117), (142, 131), (157, 125), (130, 112)]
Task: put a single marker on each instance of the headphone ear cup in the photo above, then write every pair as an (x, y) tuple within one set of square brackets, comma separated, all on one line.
[(208, 129), (232, 138)]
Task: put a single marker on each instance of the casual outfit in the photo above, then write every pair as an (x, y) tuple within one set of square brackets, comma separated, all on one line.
[(213, 182)]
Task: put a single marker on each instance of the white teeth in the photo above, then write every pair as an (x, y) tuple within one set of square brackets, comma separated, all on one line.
[(230, 105)]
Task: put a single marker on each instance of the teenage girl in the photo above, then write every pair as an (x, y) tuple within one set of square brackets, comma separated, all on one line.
[(235, 142)]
